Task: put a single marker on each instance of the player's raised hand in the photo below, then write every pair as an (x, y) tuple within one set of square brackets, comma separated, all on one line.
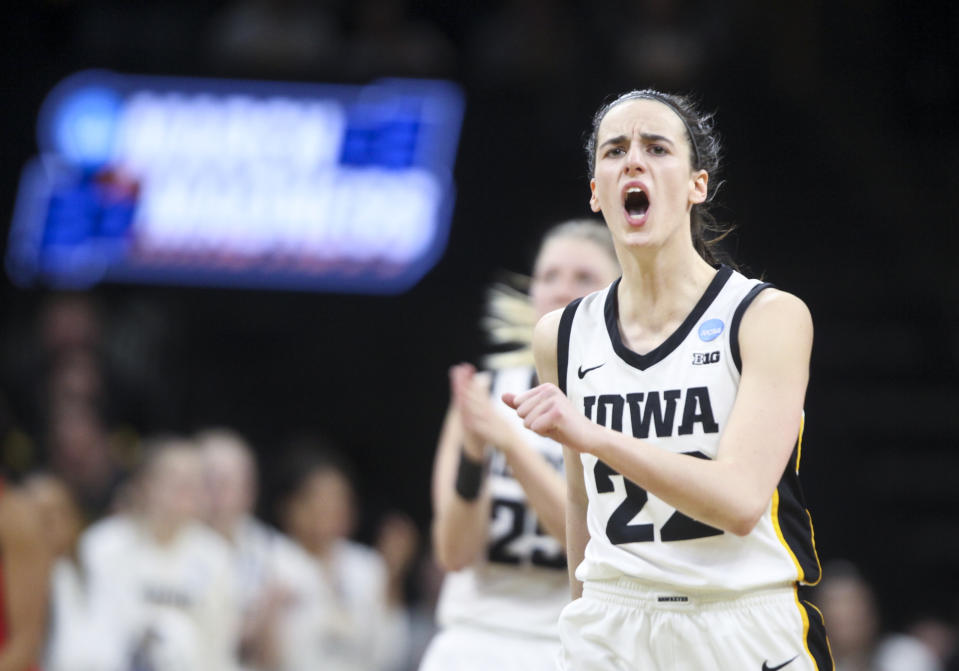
[(480, 417), (547, 411)]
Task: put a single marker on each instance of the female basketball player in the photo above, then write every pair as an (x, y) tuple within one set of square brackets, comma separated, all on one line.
[(682, 414), (498, 490)]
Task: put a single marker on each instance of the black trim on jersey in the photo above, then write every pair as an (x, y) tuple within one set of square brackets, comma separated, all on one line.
[(737, 318), (816, 641), (562, 342), (644, 361), (795, 523)]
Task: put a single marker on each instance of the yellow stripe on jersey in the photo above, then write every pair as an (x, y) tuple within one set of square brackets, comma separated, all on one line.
[(805, 626), (802, 425), (815, 553)]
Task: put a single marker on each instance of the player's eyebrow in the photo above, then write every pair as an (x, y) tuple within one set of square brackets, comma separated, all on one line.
[(619, 139), (653, 137), (646, 137)]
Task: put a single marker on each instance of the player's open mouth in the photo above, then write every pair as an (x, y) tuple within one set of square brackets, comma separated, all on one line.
[(636, 204)]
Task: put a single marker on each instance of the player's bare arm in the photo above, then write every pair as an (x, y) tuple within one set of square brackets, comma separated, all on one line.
[(459, 526), (732, 491)]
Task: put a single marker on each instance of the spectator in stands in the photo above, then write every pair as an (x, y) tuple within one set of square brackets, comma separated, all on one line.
[(278, 580), (24, 571), (166, 580), (356, 629), (851, 612)]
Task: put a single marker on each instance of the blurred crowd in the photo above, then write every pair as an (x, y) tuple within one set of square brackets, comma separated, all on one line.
[(181, 575), (163, 552)]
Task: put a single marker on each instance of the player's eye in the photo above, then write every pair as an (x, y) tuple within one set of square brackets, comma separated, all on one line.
[(585, 279), (658, 150), (548, 276), (615, 151)]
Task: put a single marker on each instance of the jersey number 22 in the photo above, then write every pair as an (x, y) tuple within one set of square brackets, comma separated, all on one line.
[(678, 527)]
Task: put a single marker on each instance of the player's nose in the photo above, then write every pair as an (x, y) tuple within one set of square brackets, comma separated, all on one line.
[(635, 159), (565, 294)]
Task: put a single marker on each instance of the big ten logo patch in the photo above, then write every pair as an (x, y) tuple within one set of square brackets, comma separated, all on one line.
[(703, 358)]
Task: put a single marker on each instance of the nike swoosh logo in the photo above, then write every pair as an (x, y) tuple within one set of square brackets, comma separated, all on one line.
[(582, 373), (766, 666)]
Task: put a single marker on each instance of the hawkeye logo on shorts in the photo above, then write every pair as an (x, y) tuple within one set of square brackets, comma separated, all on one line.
[(711, 329), (704, 358)]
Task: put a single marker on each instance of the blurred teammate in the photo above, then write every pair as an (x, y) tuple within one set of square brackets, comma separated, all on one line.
[(277, 580), (678, 394), (167, 580), (498, 490)]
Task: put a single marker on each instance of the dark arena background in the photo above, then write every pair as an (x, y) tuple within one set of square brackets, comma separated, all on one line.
[(839, 121)]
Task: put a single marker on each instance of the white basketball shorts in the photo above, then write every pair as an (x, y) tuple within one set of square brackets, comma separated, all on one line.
[(625, 625)]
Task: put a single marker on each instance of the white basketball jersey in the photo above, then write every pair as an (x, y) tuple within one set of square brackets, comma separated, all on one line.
[(174, 606), (677, 397), (352, 627), (520, 583)]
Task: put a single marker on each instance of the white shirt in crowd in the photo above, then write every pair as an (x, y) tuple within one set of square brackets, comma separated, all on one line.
[(163, 607), (354, 629)]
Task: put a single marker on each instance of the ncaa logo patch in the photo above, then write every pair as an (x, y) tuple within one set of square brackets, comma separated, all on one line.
[(711, 329)]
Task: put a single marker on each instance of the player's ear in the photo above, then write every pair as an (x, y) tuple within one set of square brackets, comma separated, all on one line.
[(699, 187), (593, 198)]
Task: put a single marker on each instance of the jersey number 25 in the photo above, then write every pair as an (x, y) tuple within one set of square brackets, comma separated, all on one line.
[(504, 550)]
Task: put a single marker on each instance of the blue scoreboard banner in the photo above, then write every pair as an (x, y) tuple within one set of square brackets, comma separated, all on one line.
[(237, 183)]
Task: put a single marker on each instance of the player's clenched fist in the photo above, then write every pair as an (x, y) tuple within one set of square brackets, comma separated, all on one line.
[(547, 411)]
